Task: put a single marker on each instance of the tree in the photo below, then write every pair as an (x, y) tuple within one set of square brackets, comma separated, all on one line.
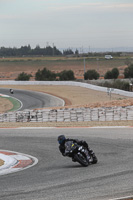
[(68, 52), (91, 74), (45, 75), (23, 77), (115, 73), (128, 72), (76, 52), (108, 75), (66, 75), (26, 50)]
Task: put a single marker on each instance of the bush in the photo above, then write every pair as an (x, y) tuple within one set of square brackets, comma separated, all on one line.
[(66, 75), (118, 84), (115, 73), (108, 75), (91, 74), (23, 77), (112, 74), (45, 75), (122, 85), (128, 72)]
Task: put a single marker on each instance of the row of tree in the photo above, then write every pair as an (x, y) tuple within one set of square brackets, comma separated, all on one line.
[(38, 51), (47, 75), (48, 50), (28, 51)]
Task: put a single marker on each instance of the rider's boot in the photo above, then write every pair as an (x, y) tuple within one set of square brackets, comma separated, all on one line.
[(92, 153), (89, 159)]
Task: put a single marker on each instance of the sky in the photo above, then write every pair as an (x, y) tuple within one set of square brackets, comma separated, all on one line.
[(67, 23)]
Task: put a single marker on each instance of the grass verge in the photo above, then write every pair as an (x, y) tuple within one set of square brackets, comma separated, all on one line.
[(16, 104)]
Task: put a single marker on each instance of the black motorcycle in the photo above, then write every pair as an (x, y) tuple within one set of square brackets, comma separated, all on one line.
[(79, 154)]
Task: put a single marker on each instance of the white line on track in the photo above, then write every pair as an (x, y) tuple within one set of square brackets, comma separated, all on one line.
[(97, 127), (74, 127), (128, 197)]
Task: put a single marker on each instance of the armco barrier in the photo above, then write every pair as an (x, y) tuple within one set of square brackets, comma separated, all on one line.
[(70, 115)]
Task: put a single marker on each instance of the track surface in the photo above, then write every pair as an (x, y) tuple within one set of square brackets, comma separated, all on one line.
[(57, 177), (32, 100)]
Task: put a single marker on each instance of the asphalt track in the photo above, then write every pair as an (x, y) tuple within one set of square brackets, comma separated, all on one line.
[(32, 100), (56, 177)]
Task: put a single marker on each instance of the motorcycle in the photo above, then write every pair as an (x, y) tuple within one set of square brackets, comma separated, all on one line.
[(79, 154)]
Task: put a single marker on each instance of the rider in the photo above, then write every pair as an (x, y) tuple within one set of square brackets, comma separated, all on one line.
[(62, 139)]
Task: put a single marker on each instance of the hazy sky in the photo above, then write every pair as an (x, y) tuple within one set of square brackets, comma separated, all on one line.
[(66, 23)]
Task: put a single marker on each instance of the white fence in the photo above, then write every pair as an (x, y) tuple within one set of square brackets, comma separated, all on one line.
[(70, 115)]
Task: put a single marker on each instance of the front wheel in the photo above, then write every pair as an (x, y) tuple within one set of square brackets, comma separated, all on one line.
[(81, 159), (95, 160)]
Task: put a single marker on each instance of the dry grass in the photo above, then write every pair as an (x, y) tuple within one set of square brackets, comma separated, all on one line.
[(5, 105)]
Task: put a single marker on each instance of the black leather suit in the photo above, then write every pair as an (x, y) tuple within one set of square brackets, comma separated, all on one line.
[(80, 142)]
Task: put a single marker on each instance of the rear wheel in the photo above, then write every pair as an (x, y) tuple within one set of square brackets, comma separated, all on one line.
[(81, 159)]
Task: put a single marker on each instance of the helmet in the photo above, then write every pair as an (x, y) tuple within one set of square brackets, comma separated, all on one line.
[(61, 139)]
